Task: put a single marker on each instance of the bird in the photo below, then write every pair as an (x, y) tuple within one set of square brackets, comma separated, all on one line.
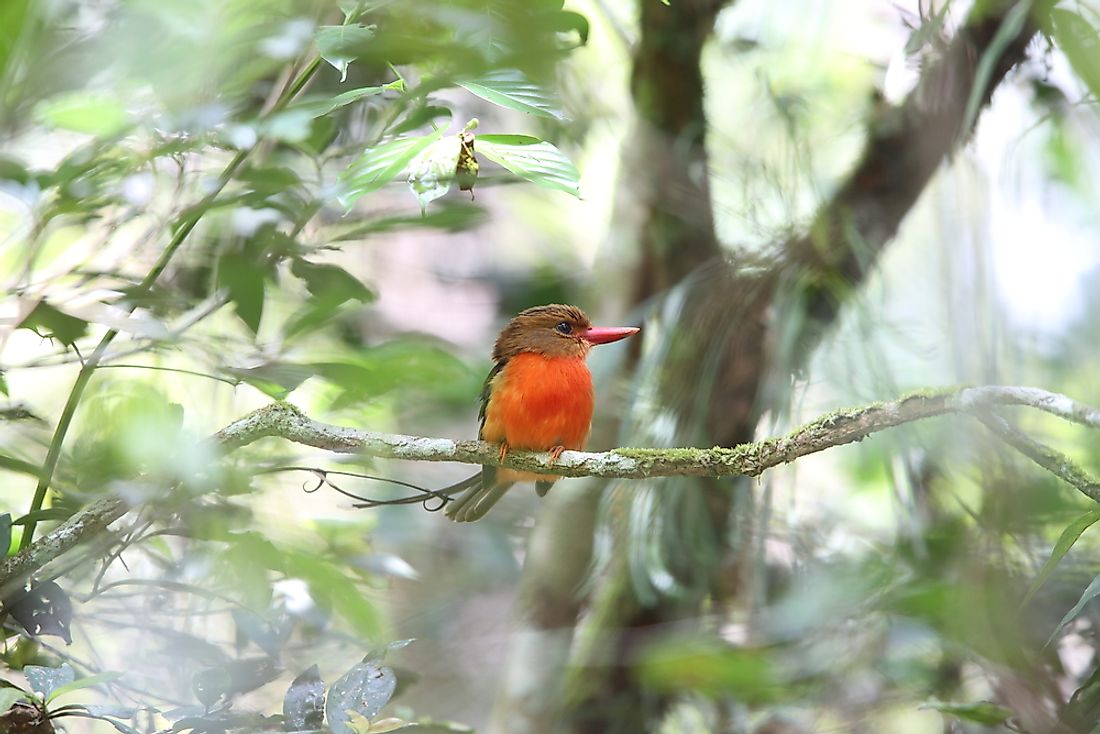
[(538, 396)]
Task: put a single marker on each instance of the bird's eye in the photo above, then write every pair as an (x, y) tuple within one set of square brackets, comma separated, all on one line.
[(564, 328)]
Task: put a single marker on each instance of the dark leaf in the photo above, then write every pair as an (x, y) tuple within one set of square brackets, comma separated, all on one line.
[(245, 283), (268, 635), (5, 537), (310, 317), (331, 283), (304, 703), (233, 678), (420, 116), (43, 610), (13, 170), (46, 320), (364, 689)]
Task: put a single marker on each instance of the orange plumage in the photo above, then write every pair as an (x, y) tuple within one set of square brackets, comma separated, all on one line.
[(539, 403), (537, 397)]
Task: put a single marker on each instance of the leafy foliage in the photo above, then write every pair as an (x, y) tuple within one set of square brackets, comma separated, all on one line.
[(232, 139)]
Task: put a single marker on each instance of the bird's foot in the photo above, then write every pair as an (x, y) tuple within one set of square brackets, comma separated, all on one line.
[(555, 454), (503, 450)]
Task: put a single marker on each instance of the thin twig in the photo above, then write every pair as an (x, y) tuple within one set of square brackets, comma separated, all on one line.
[(1053, 461)]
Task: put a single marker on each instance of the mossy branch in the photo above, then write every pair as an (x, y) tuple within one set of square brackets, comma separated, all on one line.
[(835, 429), (285, 421)]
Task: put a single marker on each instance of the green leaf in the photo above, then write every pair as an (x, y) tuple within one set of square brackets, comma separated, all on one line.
[(532, 159), (86, 682), (328, 583), (434, 170), (339, 45), (330, 287), (331, 282), (289, 126), (1090, 593), (5, 540), (380, 165), (318, 106), (448, 216), (84, 112), (49, 321), (275, 379), (19, 466), (510, 88), (404, 364), (1080, 43), (245, 283), (3, 384), (9, 696), (708, 667), (1069, 536), (355, 8), (985, 713), (568, 20), (46, 515), (44, 681), (1007, 32)]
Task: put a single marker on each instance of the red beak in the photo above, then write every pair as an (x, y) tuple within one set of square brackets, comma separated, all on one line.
[(608, 334)]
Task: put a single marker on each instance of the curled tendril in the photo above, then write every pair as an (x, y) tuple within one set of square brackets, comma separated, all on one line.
[(321, 479), (432, 500)]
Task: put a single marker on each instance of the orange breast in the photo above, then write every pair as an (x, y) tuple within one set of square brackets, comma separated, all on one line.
[(539, 402)]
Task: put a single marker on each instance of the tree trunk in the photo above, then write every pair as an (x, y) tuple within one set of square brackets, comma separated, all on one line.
[(723, 357)]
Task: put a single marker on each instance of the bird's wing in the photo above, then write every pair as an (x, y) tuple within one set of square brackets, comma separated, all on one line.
[(488, 473), (486, 392)]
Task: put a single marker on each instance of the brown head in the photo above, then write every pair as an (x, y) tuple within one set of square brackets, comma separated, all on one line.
[(555, 330)]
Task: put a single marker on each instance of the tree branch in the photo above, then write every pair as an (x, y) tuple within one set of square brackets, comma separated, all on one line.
[(89, 522), (285, 421), (750, 459)]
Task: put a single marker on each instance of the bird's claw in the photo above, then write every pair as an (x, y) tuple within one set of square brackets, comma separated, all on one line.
[(555, 454), (503, 451)]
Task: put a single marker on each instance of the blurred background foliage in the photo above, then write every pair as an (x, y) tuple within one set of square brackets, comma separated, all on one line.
[(205, 206)]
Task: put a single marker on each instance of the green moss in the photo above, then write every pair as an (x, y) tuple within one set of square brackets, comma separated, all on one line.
[(678, 456)]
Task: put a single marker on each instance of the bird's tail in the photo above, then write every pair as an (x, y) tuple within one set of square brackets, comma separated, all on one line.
[(478, 497)]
